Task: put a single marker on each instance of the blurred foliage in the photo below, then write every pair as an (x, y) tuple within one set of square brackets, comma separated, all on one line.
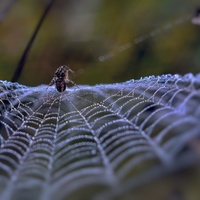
[(78, 33)]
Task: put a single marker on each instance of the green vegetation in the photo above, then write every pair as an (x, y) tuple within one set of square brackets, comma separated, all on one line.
[(77, 33)]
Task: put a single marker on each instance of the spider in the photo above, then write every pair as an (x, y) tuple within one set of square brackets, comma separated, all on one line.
[(61, 78)]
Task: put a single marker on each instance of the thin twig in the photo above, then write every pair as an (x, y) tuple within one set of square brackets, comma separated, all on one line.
[(30, 43)]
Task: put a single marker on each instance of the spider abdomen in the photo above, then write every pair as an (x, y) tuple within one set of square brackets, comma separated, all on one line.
[(60, 85), (61, 78)]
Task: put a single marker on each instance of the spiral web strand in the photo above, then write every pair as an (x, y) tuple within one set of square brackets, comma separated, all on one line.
[(103, 138)]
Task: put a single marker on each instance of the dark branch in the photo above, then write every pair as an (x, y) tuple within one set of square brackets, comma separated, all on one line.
[(30, 43)]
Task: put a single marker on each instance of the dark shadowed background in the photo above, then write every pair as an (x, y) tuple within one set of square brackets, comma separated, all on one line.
[(102, 41)]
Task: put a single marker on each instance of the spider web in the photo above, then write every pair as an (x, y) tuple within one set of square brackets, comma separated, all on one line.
[(95, 142)]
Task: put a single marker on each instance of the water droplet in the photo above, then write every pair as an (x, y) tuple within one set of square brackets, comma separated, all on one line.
[(95, 95), (93, 152), (14, 178), (101, 58)]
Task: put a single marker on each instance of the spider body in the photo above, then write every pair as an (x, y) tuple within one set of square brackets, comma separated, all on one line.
[(61, 78), (61, 85)]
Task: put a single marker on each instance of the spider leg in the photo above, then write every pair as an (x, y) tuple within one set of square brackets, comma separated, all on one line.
[(73, 83), (69, 70), (51, 83)]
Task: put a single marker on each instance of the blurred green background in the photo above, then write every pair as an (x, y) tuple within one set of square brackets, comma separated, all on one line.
[(103, 41)]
